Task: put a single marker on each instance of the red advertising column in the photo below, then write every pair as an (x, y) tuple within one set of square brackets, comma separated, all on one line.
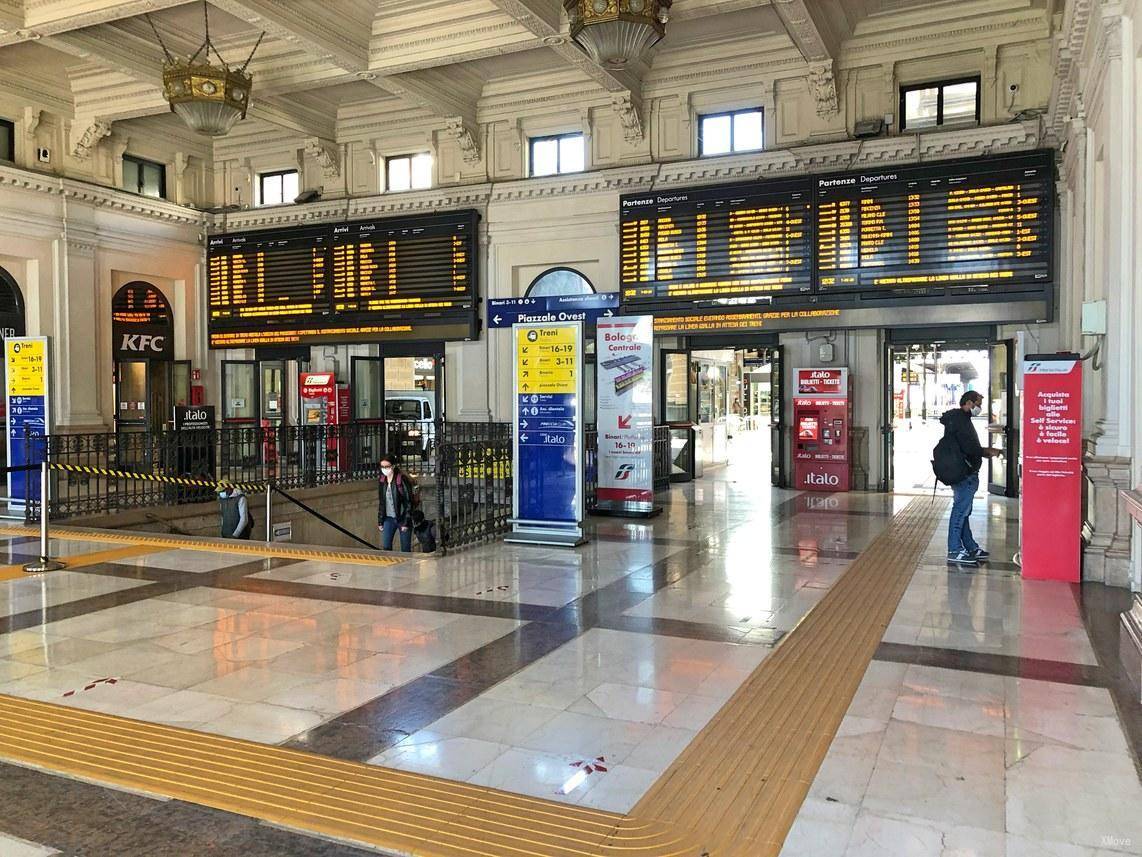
[(1051, 517), (821, 415)]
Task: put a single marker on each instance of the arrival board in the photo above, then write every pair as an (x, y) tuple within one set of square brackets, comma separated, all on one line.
[(941, 231), (410, 278)]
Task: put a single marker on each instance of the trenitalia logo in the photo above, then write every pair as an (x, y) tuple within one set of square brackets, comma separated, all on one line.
[(823, 479), (624, 472)]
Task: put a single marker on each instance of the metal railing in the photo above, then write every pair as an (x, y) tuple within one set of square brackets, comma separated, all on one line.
[(473, 490), (100, 465), (661, 453)]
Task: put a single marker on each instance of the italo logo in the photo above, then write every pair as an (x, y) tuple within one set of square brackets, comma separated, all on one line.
[(624, 472), (823, 479), (143, 342)]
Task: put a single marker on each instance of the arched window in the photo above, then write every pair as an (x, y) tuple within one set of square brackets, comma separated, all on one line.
[(11, 302), (557, 282), (142, 325)]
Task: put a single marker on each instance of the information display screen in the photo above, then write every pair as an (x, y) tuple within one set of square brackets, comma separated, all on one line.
[(410, 278), (981, 227)]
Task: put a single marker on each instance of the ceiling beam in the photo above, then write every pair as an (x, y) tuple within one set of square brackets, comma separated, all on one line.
[(11, 15), (49, 19), (815, 45), (290, 22)]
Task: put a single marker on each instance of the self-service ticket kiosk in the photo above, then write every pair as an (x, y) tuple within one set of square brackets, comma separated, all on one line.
[(822, 410), (324, 402)]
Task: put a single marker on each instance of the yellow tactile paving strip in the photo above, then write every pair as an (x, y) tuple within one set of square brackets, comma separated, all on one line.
[(739, 785), (734, 791), (11, 572), (162, 541), (396, 811)]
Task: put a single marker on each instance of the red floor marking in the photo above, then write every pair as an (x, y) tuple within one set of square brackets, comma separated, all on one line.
[(494, 589), (91, 686), (590, 767)]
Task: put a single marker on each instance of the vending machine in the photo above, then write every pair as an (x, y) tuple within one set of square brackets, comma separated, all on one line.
[(324, 402), (822, 414)]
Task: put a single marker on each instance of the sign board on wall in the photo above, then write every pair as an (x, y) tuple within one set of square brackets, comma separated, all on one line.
[(29, 412), (548, 477), (1051, 513), (507, 312), (625, 356)]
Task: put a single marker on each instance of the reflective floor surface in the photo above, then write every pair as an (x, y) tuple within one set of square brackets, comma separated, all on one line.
[(986, 724)]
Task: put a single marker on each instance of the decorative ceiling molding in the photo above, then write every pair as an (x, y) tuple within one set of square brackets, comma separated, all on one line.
[(823, 86), (85, 136), (1069, 46), (803, 30), (469, 147), (630, 114), (327, 154)]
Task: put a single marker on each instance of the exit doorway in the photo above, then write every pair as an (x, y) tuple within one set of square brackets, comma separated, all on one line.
[(924, 380), (723, 407)]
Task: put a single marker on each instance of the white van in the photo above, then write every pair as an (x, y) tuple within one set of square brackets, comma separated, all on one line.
[(414, 411)]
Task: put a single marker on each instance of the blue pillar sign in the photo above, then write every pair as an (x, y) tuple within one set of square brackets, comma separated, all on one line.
[(29, 414), (548, 476)]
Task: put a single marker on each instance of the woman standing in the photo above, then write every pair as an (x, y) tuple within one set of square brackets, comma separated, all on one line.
[(395, 504)]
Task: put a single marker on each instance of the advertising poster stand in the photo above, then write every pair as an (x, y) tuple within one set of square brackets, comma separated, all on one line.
[(547, 438), (29, 413), (624, 402), (822, 412), (1051, 496)]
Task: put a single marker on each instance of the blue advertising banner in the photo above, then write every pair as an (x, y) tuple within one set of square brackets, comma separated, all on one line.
[(548, 472), (29, 418), (507, 312)]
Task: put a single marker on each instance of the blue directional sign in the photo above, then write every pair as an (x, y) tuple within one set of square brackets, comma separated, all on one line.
[(548, 487), (504, 312)]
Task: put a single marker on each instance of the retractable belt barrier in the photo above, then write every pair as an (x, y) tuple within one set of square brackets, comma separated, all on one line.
[(155, 477)]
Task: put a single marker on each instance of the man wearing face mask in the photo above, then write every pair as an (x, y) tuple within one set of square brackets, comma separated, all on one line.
[(395, 504), (956, 461), (235, 513)]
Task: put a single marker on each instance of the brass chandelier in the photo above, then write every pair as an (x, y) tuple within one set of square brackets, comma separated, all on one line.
[(616, 33), (209, 97)]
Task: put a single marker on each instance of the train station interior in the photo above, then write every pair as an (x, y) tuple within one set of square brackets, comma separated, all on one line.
[(557, 428)]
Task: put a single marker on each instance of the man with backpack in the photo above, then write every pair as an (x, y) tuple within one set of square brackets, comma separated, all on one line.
[(956, 461)]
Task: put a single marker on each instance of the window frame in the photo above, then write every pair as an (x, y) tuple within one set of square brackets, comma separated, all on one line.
[(145, 162), (8, 129), (730, 114), (940, 86), (272, 174), (390, 158), (558, 138)]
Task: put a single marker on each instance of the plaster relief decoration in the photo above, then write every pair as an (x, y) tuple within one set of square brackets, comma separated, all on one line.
[(87, 141), (469, 148), (631, 117), (823, 86), (327, 154), (32, 119)]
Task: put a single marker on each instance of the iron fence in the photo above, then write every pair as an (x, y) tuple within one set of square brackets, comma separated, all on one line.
[(473, 487), (291, 457), (661, 459)]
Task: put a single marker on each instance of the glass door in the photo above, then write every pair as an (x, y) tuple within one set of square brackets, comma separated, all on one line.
[(367, 409), (680, 412), (1002, 477), (892, 407), (240, 406), (132, 414), (777, 416), (180, 384)]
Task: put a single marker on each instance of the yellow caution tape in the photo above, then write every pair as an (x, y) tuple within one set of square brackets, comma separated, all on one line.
[(154, 477)]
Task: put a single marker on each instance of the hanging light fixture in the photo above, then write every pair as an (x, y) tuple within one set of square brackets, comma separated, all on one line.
[(208, 97), (616, 33)]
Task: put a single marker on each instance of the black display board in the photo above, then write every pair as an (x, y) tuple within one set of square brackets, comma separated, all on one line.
[(395, 279), (944, 233)]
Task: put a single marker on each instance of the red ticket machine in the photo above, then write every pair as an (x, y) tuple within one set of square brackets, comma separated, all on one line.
[(324, 402), (822, 409), (1051, 513)]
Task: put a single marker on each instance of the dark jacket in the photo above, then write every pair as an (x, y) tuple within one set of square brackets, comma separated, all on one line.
[(235, 511), (405, 498), (958, 425)]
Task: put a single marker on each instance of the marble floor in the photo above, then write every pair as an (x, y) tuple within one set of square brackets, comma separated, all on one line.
[(991, 721)]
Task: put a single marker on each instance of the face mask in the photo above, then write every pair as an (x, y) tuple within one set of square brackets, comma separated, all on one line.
[(976, 411), (222, 495), (388, 471)]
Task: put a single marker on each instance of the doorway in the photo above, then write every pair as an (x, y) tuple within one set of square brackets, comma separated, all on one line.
[(927, 378), (723, 407), (401, 396)]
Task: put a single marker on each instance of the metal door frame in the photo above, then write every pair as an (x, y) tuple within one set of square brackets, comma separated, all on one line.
[(1010, 429), (778, 473)]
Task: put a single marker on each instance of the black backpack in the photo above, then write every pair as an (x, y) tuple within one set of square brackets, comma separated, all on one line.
[(948, 461)]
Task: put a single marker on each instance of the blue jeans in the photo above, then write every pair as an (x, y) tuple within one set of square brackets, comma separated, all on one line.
[(959, 527), (389, 528)]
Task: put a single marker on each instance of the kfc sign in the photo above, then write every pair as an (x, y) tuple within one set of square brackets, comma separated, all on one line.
[(135, 341), (142, 343)]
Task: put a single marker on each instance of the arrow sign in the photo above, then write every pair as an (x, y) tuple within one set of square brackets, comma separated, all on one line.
[(624, 422), (496, 319), (505, 312)]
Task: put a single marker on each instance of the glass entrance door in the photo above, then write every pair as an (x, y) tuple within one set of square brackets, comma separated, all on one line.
[(777, 416), (680, 412), (1002, 477)]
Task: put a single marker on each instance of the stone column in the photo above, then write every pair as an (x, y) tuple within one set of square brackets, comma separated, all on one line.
[(74, 346)]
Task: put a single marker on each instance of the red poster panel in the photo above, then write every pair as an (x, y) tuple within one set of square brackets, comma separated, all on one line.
[(1051, 517)]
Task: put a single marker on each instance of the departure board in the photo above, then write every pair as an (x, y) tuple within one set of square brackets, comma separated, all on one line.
[(695, 245), (408, 278), (980, 228)]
